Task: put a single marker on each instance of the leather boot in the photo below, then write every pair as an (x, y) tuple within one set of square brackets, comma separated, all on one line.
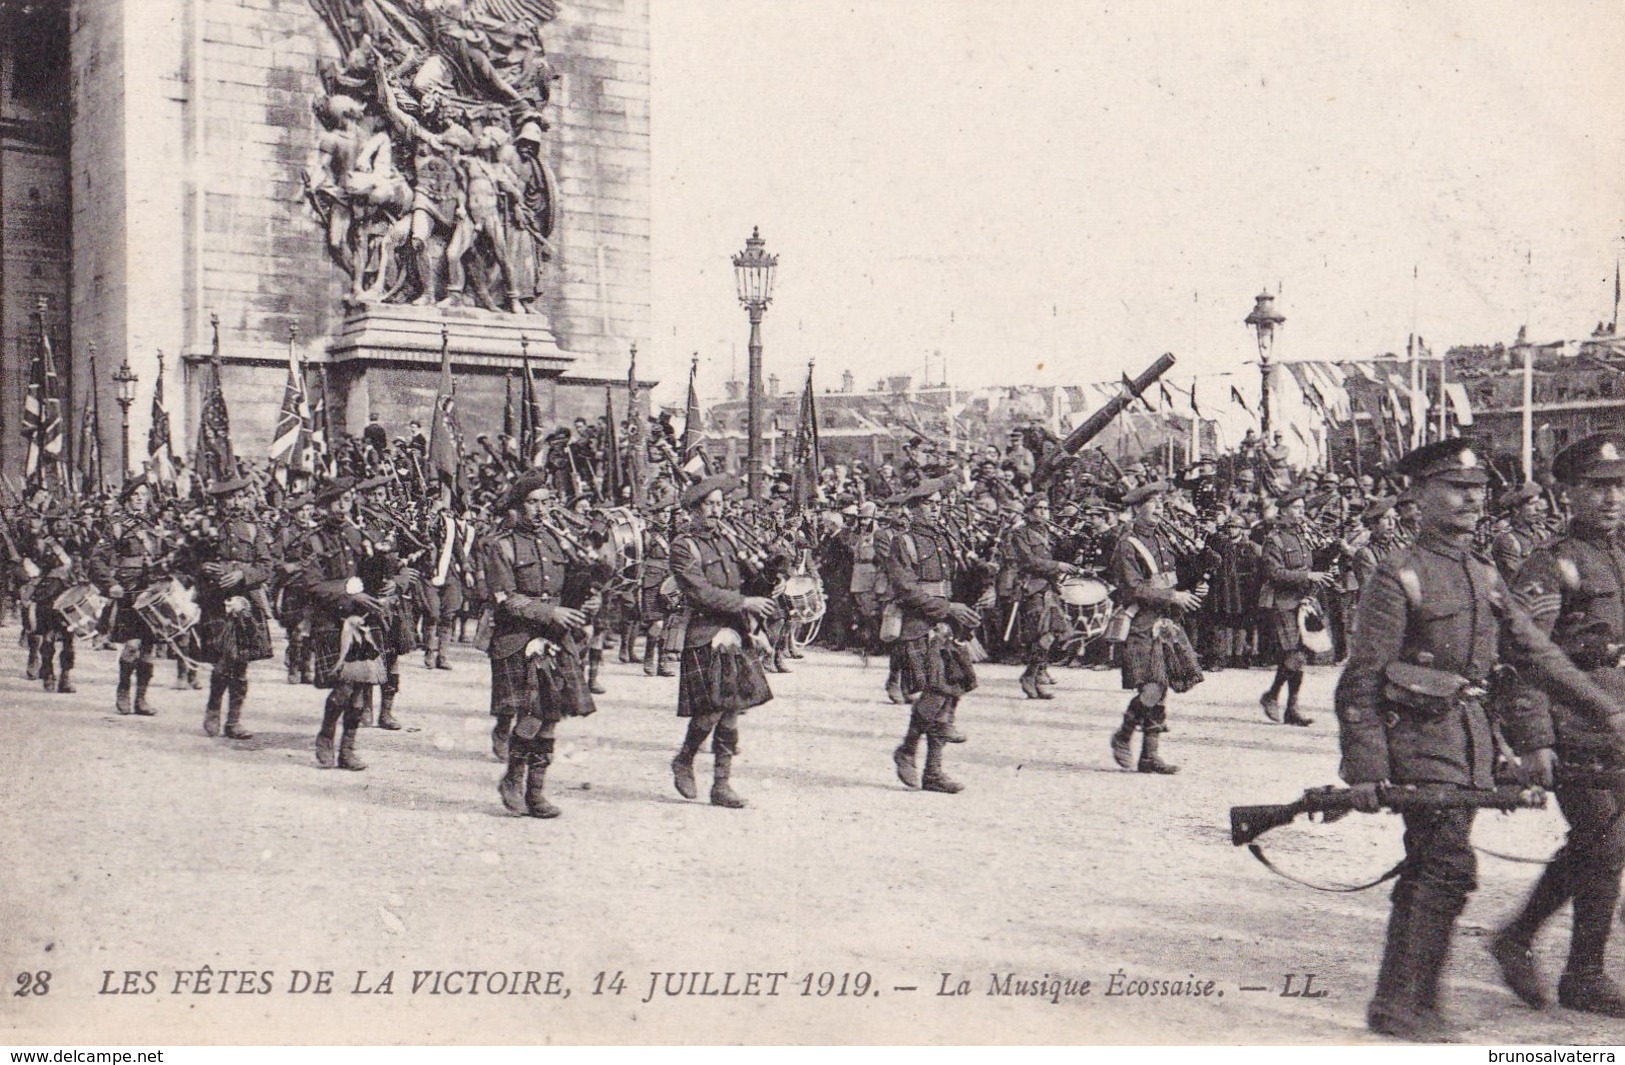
[(623, 653), (1123, 738), (682, 774), (663, 660), (894, 688), (386, 710), (63, 685), (440, 659), (536, 803), (595, 659), (779, 657), (1292, 717), (1149, 761), (47, 666), (428, 658), (1433, 924), (32, 673), (211, 709), (236, 696), (512, 785), (651, 657), (1584, 985), (324, 739), (347, 755), (1043, 679), (499, 737), (934, 779), (192, 679), (121, 699), (143, 679), (1029, 683), (722, 794), (1512, 947), (908, 771)]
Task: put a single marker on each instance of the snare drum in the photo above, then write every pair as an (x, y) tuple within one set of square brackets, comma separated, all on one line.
[(81, 608), (169, 608), (804, 598), (625, 539), (1088, 603)]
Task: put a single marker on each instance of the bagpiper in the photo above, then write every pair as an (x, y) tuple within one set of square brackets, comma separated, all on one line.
[(129, 562), (231, 585)]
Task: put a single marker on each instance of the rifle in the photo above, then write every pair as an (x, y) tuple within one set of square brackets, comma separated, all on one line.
[(1247, 823)]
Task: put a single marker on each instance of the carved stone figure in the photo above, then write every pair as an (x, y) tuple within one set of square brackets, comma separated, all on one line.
[(469, 217)]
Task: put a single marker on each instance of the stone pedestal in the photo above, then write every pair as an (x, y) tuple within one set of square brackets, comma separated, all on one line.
[(479, 341)]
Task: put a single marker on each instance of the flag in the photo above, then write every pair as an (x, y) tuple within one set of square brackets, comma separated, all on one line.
[(691, 414), (612, 451), (1194, 408), (88, 452), (1128, 388), (636, 451), (510, 423), (42, 415), (1235, 395), (1459, 402), (445, 434), (530, 413), (808, 463), (160, 450), (320, 459), (215, 460), (291, 444)]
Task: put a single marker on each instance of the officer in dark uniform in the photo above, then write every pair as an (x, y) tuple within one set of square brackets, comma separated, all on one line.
[(1144, 572), (1041, 618), (345, 631), (1574, 589), (235, 626), (713, 688), (921, 569), (536, 645), (1289, 579), (1435, 607), (292, 610), (1525, 511)]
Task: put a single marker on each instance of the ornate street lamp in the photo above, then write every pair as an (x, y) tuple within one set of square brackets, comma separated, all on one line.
[(125, 379), (1263, 319), (753, 269)]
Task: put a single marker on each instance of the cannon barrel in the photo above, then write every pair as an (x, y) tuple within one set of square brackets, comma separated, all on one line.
[(1097, 422)]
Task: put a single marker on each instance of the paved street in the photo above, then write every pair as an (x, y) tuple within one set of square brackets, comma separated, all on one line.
[(140, 844)]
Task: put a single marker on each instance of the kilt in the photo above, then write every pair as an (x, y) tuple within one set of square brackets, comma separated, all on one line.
[(1041, 615), (244, 638), (129, 625), (936, 666), (694, 694), (325, 642), (651, 604), (520, 690), (1140, 664), (1283, 623)]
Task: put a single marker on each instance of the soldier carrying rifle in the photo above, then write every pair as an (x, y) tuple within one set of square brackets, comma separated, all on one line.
[(1429, 633)]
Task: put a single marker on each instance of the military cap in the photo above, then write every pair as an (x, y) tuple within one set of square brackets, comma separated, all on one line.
[(1134, 497), (1376, 509), (1454, 460), (1350, 482), (375, 481), (331, 490), (1519, 496), (850, 510), (867, 509), (522, 487), (229, 485), (557, 435), (1036, 500), (695, 494), (138, 481), (1235, 520), (1598, 457)]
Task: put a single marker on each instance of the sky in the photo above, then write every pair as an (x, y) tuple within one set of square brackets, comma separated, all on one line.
[(1053, 192)]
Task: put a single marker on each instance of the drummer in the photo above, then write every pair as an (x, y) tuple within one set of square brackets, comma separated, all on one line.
[(52, 552), (1041, 618), (130, 561), (231, 593)]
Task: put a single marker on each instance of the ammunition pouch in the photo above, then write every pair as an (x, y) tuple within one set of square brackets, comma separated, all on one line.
[(1422, 692)]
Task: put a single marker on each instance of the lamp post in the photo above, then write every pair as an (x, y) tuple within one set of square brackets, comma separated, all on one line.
[(1263, 319), (125, 379), (753, 270)]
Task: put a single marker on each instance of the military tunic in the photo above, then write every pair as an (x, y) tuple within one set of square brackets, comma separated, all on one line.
[(526, 569)]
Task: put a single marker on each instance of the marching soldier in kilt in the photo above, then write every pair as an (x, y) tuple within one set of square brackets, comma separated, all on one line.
[(292, 611), (1289, 580), (536, 646), (652, 607), (1041, 618), (231, 594), (440, 581), (1144, 571), (719, 677), (921, 569), (1525, 509), (52, 554), (1411, 707), (128, 563), (345, 631), (1574, 589)]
